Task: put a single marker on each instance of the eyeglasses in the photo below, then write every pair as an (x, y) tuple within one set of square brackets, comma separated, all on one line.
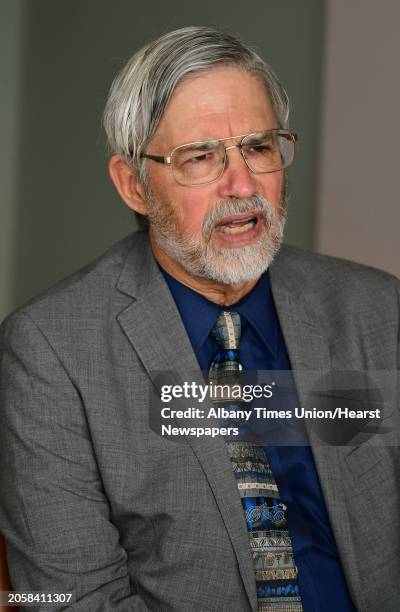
[(199, 163)]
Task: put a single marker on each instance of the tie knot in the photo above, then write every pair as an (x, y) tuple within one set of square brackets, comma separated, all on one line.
[(226, 330)]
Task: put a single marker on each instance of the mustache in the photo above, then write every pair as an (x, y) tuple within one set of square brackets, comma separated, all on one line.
[(234, 206)]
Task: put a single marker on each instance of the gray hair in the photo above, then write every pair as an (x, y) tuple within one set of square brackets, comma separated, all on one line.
[(141, 91)]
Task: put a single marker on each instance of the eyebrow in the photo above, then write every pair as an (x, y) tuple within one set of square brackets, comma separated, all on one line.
[(260, 136), (203, 145)]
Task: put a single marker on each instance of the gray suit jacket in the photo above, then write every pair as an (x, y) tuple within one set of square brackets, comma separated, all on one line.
[(94, 502)]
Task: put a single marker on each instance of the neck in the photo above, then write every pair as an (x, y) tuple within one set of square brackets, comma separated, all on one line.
[(224, 295)]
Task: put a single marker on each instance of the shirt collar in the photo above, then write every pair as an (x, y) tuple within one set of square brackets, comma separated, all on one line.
[(199, 314)]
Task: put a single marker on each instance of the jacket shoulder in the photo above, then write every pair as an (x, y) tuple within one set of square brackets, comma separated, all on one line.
[(324, 271), (85, 293), (335, 289)]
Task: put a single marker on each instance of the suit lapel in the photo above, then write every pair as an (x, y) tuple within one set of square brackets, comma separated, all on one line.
[(308, 350), (153, 326)]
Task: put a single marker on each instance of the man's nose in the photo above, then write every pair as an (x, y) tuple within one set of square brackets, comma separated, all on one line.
[(237, 180)]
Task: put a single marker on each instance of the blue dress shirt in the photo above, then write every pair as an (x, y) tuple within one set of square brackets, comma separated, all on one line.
[(262, 347)]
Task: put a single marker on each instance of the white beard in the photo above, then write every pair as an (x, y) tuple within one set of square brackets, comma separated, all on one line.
[(202, 257)]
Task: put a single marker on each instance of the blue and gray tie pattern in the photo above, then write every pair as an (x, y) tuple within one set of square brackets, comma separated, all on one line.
[(264, 511)]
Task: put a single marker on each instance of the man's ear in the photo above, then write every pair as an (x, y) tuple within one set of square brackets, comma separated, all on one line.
[(126, 181)]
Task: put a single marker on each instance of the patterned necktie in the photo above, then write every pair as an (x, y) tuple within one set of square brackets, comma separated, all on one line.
[(271, 547)]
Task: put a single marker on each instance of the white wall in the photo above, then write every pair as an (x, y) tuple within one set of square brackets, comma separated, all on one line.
[(359, 211)]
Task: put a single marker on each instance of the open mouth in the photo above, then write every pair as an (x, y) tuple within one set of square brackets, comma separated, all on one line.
[(238, 226)]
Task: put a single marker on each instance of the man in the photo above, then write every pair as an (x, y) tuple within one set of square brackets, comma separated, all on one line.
[(94, 501)]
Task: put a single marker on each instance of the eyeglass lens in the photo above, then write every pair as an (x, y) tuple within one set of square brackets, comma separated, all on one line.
[(203, 162)]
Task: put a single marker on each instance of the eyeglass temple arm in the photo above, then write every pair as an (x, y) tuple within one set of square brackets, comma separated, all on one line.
[(160, 159)]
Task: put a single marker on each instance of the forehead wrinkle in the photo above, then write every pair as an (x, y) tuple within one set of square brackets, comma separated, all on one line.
[(230, 103), (219, 126)]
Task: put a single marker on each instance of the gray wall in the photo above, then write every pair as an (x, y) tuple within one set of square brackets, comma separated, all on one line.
[(11, 35), (60, 209)]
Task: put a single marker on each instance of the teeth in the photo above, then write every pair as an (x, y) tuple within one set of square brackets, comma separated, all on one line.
[(241, 220), (237, 230)]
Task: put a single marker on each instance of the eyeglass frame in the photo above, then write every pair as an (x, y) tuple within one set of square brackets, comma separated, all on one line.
[(161, 159)]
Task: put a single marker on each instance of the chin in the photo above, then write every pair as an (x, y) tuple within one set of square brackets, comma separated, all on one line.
[(238, 265), (232, 266)]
